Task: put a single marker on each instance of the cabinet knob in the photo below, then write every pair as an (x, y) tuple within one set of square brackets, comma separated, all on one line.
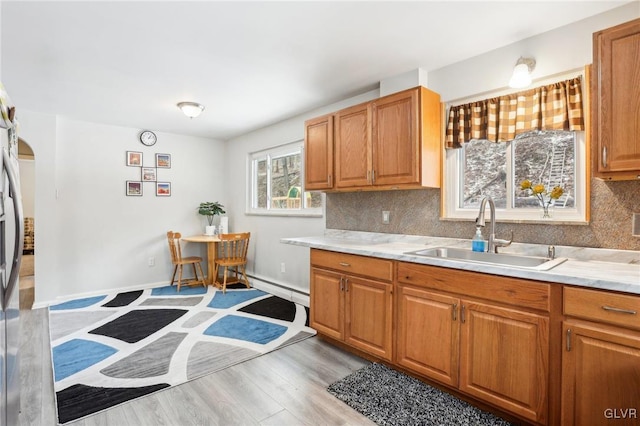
[(604, 157), (345, 264)]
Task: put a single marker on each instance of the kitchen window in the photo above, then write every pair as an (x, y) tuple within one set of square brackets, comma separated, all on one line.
[(482, 167), (277, 183)]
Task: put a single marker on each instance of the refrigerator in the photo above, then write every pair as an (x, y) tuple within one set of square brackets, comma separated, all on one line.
[(11, 243)]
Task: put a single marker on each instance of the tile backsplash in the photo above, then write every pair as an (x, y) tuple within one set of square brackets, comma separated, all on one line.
[(416, 212)]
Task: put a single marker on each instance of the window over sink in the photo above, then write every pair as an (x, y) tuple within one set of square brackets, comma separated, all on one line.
[(484, 168), (277, 183), (497, 167)]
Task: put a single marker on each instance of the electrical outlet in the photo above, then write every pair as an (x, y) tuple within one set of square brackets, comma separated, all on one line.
[(635, 225), (152, 261), (385, 217), (283, 268)]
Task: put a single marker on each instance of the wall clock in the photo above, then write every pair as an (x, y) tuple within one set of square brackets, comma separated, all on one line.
[(148, 138)]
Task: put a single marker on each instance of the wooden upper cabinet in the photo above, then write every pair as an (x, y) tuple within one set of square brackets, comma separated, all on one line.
[(318, 150), (396, 126), (353, 146), (393, 142), (616, 102)]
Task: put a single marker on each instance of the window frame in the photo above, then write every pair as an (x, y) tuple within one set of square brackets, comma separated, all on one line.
[(269, 155), (452, 160)]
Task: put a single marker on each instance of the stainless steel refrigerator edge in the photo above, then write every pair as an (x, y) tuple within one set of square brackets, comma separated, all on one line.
[(11, 244)]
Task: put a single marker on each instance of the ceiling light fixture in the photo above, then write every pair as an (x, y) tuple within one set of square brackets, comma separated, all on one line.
[(522, 73), (191, 109)]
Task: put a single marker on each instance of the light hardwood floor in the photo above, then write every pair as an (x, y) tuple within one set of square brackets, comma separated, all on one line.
[(285, 387)]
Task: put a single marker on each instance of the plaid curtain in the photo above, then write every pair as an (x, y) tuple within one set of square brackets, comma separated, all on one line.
[(554, 107)]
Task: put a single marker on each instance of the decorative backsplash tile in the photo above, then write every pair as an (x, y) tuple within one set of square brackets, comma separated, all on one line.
[(416, 212)]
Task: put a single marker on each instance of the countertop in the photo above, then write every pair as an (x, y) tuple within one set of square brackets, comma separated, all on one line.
[(617, 270)]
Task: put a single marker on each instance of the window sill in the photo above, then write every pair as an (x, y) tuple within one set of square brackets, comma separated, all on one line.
[(522, 221)]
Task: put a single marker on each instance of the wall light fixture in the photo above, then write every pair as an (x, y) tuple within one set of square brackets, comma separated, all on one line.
[(522, 73)]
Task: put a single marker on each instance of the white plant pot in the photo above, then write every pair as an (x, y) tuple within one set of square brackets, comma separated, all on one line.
[(210, 230)]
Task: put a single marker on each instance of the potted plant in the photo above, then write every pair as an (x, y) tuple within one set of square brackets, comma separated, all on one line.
[(210, 210)]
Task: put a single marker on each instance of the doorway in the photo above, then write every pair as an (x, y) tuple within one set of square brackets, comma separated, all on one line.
[(27, 170)]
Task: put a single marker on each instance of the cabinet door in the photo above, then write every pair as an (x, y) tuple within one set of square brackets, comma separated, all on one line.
[(428, 333), (368, 315), (616, 100), (396, 157), (318, 153), (353, 146), (600, 375), (326, 309), (504, 358)]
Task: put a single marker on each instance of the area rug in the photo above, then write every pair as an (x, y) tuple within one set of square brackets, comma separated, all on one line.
[(109, 349), (389, 397)]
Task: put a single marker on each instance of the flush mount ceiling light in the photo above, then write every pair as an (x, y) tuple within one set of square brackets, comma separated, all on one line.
[(522, 73), (191, 109)]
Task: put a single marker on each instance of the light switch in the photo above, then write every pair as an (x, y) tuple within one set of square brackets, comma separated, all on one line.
[(385, 217)]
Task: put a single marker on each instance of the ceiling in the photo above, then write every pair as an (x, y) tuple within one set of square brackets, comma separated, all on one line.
[(250, 63)]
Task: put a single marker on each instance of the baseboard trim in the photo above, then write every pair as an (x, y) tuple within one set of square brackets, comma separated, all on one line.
[(280, 290)]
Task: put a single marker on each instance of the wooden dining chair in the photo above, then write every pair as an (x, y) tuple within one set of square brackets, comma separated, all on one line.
[(232, 253), (179, 262)]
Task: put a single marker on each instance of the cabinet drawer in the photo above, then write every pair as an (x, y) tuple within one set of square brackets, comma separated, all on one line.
[(353, 264), (602, 306), (511, 291)]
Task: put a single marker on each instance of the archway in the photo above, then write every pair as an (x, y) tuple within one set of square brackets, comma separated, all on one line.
[(27, 169)]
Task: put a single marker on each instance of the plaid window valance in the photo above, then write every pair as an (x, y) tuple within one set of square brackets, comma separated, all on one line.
[(554, 107)]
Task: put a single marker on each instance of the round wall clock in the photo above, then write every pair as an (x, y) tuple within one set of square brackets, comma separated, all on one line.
[(148, 138)]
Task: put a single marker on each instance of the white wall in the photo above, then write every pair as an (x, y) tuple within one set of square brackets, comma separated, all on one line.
[(92, 238), (266, 252), (556, 51), (28, 186)]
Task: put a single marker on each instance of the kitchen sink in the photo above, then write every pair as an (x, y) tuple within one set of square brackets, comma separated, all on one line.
[(501, 259)]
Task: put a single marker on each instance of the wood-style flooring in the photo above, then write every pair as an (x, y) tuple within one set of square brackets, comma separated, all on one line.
[(285, 387)]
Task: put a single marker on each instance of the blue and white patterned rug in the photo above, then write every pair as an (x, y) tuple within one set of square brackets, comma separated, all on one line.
[(110, 349)]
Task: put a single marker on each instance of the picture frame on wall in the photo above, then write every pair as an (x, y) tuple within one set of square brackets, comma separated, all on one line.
[(149, 174), (134, 158), (163, 189), (163, 161), (134, 188)]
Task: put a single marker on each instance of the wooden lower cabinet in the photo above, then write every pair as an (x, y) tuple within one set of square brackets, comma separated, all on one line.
[(600, 362), (478, 334), (355, 309), (326, 309), (428, 333), (600, 375), (504, 358), (368, 316)]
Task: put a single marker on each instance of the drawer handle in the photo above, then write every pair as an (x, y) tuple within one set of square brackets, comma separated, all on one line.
[(345, 264), (618, 310)]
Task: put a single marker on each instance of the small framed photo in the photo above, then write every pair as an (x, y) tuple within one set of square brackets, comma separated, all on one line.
[(134, 159), (149, 174), (134, 188), (163, 189), (163, 161)]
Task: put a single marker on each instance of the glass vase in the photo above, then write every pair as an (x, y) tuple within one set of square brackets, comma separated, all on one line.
[(546, 211)]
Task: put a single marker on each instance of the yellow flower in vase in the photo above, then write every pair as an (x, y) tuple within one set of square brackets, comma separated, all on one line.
[(545, 198)]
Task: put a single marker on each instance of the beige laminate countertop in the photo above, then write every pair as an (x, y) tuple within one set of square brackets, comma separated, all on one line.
[(617, 270)]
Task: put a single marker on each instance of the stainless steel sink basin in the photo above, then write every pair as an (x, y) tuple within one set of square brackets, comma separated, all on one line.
[(501, 259)]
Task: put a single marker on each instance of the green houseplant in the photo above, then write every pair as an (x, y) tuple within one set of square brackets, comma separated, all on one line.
[(210, 210)]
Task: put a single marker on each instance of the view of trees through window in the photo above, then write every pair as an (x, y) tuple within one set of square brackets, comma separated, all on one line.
[(278, 183), (546, 157)]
